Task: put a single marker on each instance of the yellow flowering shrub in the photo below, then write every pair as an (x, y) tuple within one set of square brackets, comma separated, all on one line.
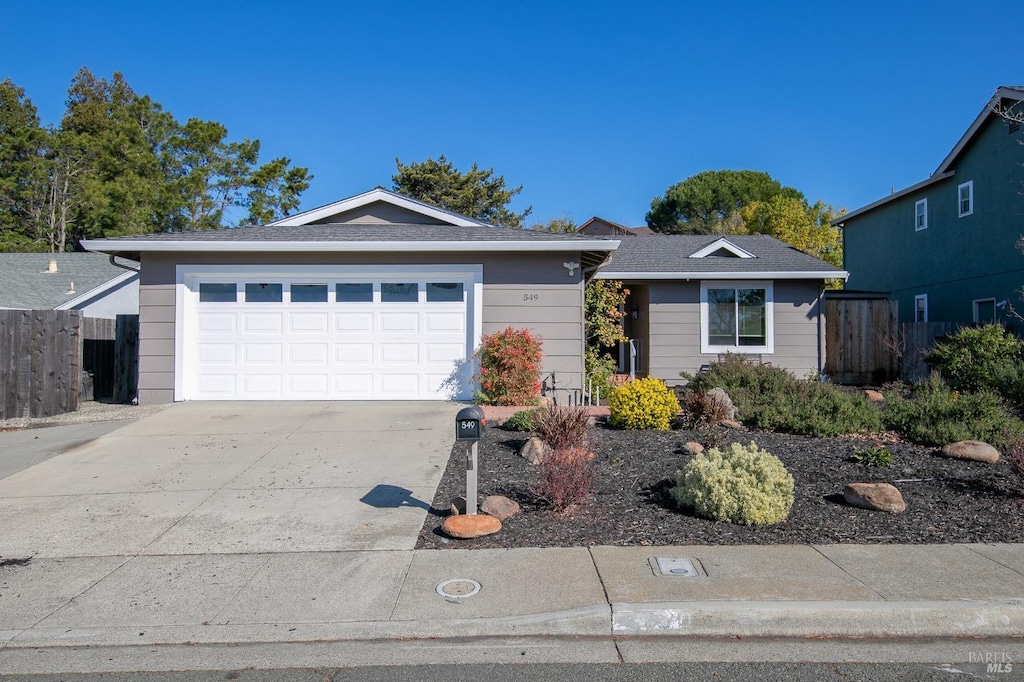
[(741, 485), (645, 403)]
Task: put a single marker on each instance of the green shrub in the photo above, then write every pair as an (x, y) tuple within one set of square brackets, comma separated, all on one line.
[(563, 427), (744, 485), (971, 358), (932, 413), (1008, 382), (645, 403), (509, 368), (771, 398), (520, 421), (878, 456)]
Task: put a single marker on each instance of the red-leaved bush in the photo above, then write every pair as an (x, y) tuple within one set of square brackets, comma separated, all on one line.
[(566, 477), (509, 368), (563, 426)]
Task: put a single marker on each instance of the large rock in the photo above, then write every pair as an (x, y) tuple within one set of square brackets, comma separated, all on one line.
[(500, 507), (873, 396), (719, 395), (693, 447), (973, 450), (465, 526), (875, 496), (534, 450)]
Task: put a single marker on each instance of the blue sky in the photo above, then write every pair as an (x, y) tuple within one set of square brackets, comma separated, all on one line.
[(594, 107)]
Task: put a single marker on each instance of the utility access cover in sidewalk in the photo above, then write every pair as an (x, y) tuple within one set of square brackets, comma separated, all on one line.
[(675, 566)]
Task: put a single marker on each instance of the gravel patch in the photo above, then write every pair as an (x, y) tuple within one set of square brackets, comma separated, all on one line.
[(948, 501), (89, 411)]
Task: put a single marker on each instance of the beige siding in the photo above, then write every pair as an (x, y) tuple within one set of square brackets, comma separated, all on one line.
[(674, 331), (520, 290)]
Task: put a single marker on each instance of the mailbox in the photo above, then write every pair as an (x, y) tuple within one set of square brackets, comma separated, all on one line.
[(469, 423)]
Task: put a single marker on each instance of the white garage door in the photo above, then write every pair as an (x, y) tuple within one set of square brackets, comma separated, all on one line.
[(261, 337)]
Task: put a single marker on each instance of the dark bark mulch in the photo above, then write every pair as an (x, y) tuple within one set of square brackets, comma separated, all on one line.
[(947, 500)]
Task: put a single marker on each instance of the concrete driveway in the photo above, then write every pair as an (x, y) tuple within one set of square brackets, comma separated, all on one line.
[(220, 478)]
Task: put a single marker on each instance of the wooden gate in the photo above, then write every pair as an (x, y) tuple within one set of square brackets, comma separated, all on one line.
[(861, 341)]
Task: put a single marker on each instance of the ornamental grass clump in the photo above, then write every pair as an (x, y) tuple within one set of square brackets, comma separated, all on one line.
[(645, 403), (744, 485), (562, 427), (566, 477)]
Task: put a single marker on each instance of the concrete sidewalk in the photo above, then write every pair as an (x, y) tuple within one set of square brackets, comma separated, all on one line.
[(821, 591)]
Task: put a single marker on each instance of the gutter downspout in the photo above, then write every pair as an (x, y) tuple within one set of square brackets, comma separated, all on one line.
[(119, 265), (821, 337)]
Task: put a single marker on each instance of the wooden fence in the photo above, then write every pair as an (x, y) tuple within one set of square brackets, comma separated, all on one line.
[(51, 360), (865, 343)]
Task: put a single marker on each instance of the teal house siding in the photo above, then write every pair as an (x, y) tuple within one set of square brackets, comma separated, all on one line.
[(956, 260)]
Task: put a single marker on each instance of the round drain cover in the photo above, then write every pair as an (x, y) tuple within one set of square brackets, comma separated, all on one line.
[(457, 588)]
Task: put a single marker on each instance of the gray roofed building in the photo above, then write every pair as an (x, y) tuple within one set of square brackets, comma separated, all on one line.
[(67, 281)]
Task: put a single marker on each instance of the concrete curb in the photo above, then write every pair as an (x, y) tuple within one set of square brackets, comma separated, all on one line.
[(967, 618)]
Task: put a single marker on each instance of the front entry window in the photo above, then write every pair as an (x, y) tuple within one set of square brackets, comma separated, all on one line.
[(736, 318)]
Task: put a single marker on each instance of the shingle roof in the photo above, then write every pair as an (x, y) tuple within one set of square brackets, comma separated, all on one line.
[(671, 254), (26, 284), (348, 232)]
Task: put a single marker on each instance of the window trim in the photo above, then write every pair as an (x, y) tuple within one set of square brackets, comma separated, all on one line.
[(970, 198), (921, 297), (922, 203), (769, 313), (995, 310)]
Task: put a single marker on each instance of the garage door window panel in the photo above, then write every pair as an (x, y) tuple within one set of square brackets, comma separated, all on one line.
[(218, 292), (392, 292), (445, 292), (264, 292), (309, 293), (356, 292)]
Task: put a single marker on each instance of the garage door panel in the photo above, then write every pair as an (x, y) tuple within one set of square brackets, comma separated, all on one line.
[(445, 323), (308, 353), (219, 322), (308, 322), (400, 323), (261, 323), (359, 323), (400, 385), (218, 353), (309, 386), (218, 384), (353, 385), (445, 352), (402, 353), (263, 385), (353, 352), (262, 353)]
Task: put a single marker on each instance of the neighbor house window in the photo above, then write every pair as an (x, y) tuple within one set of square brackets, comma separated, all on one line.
[(985, 311), (921, 308), (736, 317), (965, 194), (921, 214)]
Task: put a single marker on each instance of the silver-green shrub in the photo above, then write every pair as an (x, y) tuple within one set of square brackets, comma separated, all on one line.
[(744, 485)]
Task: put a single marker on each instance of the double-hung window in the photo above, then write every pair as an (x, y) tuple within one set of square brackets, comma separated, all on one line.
[(921, 214), (736, 317), (921, 308), (965, 198)]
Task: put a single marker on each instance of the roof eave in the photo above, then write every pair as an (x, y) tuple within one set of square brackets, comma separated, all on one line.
[(892, 197), (96, 291), (779, 274), (116, 246)]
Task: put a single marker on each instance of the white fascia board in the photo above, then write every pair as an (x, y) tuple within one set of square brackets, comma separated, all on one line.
[(892, 197), (722, 243), (373, 195), (96, 291), (842, 274), (989, 109), (114, 246)]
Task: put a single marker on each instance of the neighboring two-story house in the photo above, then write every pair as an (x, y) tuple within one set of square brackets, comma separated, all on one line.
[(947, 248)]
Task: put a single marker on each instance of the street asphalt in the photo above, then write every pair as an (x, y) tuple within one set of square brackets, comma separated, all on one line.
[(214, 535)]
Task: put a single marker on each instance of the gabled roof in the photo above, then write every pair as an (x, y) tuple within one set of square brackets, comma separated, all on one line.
[(716, 248), (375, 195), (615, 228), (669, 256), (1014, 93), (27, 284)]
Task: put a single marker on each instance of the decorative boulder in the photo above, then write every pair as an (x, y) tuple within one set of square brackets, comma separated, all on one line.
[(731, 424), (500, 507), (875, 496), (534, 450), (973, 450), (693, 447), (719, 395), (873, 396), (465, 527)]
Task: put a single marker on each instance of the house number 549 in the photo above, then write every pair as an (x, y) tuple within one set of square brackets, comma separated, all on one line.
[(531, 298)]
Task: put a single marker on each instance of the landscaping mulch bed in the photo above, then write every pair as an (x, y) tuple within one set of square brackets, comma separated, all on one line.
[(947, 500)]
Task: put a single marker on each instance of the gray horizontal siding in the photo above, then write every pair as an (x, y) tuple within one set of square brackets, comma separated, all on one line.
[(156, 343)]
